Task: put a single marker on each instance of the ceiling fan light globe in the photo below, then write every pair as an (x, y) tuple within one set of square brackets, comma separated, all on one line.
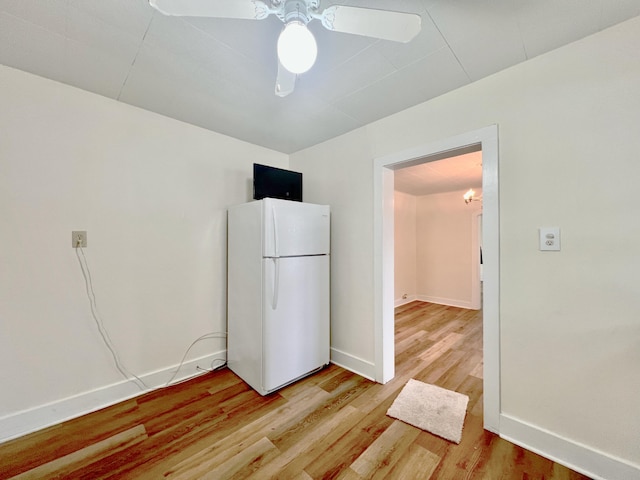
[(297, 48)]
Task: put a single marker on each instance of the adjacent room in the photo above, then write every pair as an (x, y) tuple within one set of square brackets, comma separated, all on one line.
[(130, 128)]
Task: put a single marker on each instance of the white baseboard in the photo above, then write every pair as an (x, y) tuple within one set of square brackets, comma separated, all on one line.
[(451, 302), (581, 458), (37, 418), (353, 364), (403, 301)]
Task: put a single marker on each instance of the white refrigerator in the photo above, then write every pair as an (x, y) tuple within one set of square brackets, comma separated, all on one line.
[(278, 291)]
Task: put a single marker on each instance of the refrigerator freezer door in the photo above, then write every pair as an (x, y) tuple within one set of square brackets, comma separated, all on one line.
[(296, 331), (295, 228)]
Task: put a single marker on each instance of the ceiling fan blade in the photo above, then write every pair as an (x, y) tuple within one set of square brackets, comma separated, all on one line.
[(286, 81), (245, 9), (395, 26)]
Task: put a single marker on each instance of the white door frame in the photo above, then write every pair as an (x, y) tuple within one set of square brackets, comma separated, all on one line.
[(487, 139)]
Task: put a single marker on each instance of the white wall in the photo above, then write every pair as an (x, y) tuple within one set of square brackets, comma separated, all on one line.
[(152, 194), (340, 181), (570, 329), (404, 207), (444, 226)]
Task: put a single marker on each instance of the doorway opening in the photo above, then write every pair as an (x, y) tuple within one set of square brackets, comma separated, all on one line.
[(485, 139), (437, 245)]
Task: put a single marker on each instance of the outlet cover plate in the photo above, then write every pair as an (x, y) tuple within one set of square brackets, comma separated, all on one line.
[(549, 239), (79, 236)]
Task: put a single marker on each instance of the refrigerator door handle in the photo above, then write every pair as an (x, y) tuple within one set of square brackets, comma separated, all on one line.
[(275, 231), (276, 282)]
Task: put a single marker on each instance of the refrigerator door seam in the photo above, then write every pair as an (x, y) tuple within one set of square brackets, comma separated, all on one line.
[(300, 256)]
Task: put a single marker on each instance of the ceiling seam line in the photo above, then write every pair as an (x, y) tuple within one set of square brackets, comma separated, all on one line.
[(133, 62), (450, 47)]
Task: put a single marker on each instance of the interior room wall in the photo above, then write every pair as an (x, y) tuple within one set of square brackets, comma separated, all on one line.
[(152, 194), (404, 206), (569, 320), (444, 226), (344, 185)]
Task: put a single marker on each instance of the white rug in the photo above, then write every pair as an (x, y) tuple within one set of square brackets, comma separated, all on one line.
[(431, 408)]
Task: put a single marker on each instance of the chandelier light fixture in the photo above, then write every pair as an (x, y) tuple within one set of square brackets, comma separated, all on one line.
[(470, 196)]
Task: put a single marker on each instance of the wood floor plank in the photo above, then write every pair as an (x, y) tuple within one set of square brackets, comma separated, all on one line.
[(239, 466), (344, 451), (348, 474), (309, 446), (446, 343), (472, 388), (302, 476), (417, 463), (412, 346), (331, 425), (186, 436), (449, 327), (290, 435), (461, 461), (322, 376), (46, 445), (227, 448), (66, 464), (454, 376), (381, 456), (478, 370)]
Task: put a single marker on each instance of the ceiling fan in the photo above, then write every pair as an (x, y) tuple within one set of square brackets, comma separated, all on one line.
[(297, 48)]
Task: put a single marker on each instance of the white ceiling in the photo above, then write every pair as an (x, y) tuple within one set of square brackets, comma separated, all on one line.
[(461, 172), (219, 74)]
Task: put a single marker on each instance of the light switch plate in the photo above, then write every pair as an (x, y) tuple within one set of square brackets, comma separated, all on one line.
[(549, 239)]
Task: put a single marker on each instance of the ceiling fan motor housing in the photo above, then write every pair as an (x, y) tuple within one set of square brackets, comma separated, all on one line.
[(297, 11)]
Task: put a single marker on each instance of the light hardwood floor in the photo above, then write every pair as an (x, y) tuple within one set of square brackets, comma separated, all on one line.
[(330, 425)]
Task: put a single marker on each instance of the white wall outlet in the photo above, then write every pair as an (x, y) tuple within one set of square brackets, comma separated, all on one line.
[(79, 238), (549, 239)]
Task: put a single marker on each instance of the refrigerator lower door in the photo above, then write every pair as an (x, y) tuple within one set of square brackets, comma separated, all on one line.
[(295, 318)]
